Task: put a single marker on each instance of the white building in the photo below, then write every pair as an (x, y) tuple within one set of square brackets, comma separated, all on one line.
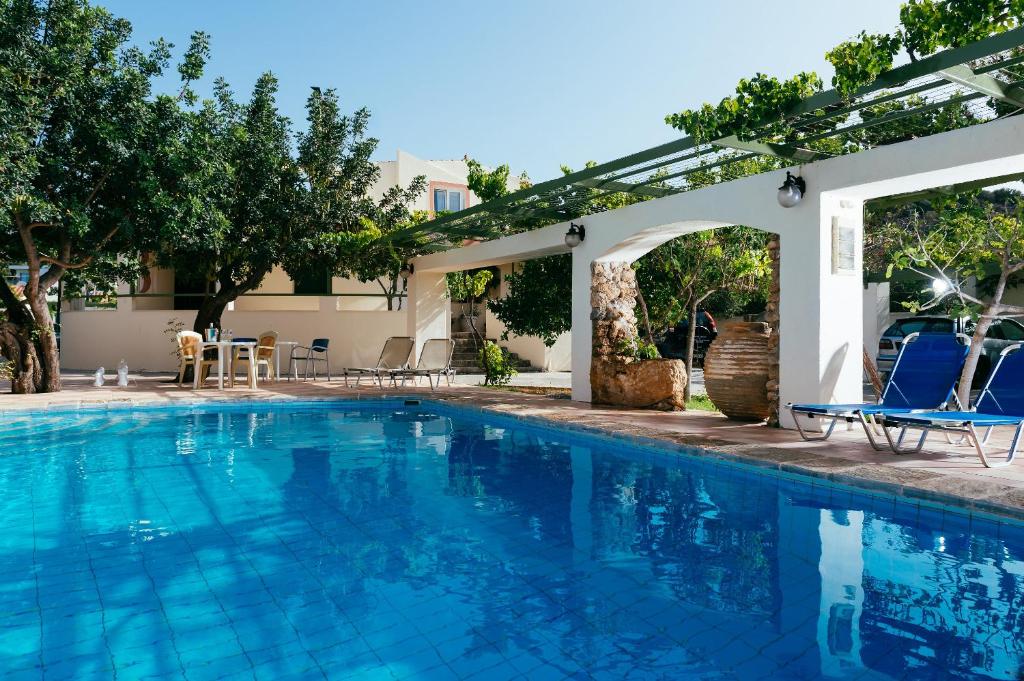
[(353, 314)]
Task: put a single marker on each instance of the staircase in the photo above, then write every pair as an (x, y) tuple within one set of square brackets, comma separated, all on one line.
[(464, 360)]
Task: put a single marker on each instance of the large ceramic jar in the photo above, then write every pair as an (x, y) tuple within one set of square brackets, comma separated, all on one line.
[(736, 370)]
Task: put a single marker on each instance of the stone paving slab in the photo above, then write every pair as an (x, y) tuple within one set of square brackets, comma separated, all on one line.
[(942, 473)]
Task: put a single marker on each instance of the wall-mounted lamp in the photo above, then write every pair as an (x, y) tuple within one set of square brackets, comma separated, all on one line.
[(792, 190), (406, 271), (575, 236)]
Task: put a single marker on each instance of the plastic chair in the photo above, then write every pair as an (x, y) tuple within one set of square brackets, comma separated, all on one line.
[(265, 345), (189, 355)]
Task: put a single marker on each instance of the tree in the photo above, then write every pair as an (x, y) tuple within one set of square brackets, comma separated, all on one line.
[(467, 287), (968, 239), (79, 154), (381, 261), (537, 301), (691, 268), (249, 191)]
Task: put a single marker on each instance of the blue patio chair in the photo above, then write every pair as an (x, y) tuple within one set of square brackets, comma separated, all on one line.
[(310, 354), (923, 378), (1000, 404)]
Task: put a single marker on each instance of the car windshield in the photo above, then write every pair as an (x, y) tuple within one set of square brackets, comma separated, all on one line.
[(1006, 329), (920, 325)]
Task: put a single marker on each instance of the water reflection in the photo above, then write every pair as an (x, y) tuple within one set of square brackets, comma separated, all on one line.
[(351, 540)]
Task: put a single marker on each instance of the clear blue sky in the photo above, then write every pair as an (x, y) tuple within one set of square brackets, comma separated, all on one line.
[(534, 83)]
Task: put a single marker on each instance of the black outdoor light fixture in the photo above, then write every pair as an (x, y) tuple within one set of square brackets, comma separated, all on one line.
[(575, 236), (406, 271), (792, 190)]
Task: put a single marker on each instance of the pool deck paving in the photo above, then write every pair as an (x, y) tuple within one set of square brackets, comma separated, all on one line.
[(942, 473)]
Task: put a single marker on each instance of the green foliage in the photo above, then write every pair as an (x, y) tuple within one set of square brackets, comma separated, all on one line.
[(81, 152), (637, 349), (682, 274), (759, 101), (859, 62), (468, 285), (930, 25), (700, 403), (760, 104), (496, 363), (538, 300), (487, 185)]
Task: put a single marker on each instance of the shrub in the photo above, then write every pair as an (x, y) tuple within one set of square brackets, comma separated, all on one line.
[(637, 349), (496, 363)]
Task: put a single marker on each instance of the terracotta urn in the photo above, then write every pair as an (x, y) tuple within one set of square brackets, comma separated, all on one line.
[(736, 370)]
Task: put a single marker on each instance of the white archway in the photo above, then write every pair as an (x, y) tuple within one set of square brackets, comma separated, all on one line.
[(821, 299)]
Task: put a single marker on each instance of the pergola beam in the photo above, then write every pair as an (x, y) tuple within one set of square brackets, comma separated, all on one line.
[(790, 153), (985, 84), (643, 173), (615, 186)]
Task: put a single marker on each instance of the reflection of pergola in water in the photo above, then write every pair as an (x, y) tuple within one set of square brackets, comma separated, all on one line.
[(821, 238)]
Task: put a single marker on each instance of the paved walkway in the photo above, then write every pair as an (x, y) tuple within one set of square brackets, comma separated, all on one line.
[(563, 379), (943, 474)]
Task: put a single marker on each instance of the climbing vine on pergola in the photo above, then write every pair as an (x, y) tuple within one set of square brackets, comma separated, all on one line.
[(968, 85)]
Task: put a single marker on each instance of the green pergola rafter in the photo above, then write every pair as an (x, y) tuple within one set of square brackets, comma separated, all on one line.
[(967, 76)]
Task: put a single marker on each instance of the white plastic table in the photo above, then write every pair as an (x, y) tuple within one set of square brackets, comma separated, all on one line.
[(224, 357), (277, 356)]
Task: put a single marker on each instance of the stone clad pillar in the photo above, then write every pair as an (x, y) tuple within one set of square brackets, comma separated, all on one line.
[(616, 377), (771, 316), (613, 294)]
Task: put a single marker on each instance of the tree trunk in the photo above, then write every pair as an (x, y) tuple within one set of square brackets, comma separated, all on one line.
[(988, 314), (45, 341), (647, 317), (30, 348), (691, 336), (210, 311), (23, 367), (872, 372)]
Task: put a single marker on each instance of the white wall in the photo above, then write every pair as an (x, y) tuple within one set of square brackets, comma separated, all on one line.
[(876, 315), (93, 338)]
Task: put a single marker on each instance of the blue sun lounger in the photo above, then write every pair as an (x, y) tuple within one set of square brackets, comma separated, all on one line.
[(922, 378), (1000, 404)]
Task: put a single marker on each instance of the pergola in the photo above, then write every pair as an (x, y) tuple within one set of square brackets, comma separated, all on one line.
[(695, 185)]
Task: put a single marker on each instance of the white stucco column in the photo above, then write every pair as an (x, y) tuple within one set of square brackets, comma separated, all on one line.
[(821, 303), (428, 314), (582, 329)]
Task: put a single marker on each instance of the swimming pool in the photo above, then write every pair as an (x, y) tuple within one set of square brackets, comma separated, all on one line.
[(386, 540)]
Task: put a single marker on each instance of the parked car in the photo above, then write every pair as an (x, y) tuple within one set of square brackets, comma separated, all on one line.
[(672, 344), (1002, 333)]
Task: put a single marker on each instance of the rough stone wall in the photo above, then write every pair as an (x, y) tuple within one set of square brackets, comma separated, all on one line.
[(772, 318), (613, 294), (614, 379)]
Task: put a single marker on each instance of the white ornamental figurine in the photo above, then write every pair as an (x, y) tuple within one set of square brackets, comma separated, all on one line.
[(99, 378), (122, 374)]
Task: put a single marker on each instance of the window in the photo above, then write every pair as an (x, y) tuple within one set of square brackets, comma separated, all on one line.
[(920, 325), (448, 199)]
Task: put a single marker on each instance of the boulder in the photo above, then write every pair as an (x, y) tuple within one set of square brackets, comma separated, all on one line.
[(648, 384)]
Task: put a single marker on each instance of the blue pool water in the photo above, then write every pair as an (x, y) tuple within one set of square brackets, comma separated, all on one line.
[(395, 541)]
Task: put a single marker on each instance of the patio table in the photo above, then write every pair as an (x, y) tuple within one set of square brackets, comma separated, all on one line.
[(277, 356), (224, 357)]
